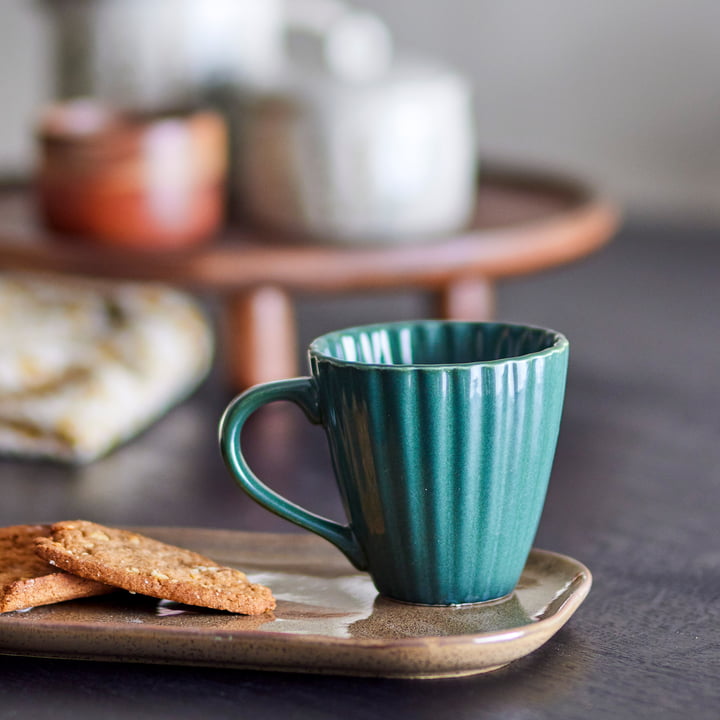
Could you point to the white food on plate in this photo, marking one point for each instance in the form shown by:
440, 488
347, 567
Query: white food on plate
85, 364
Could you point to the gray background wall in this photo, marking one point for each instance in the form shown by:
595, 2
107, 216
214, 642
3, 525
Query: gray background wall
626, 93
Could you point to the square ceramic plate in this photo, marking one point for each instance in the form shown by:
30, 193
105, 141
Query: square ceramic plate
329, 618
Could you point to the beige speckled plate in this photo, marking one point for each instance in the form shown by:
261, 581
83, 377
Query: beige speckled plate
329, 618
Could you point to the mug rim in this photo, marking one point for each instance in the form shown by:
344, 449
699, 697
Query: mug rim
559, 344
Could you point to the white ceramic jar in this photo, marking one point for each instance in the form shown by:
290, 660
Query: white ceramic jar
152, 54
390, 159
155, 53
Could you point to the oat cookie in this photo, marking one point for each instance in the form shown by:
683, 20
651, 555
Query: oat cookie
142, 565
27, 580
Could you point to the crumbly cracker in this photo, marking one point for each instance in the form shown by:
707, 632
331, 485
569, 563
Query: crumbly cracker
27, 580
142, 565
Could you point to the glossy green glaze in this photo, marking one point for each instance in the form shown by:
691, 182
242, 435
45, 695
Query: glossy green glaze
442, 437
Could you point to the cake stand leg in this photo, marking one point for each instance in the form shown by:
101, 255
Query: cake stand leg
261, 336
468, 298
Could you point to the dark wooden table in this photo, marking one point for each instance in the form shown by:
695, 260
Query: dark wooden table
635, 495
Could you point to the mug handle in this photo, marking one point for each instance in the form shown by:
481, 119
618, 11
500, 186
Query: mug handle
303, 392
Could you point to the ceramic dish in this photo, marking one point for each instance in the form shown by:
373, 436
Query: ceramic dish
329, 618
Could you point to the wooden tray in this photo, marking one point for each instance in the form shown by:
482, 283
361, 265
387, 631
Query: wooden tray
524, 222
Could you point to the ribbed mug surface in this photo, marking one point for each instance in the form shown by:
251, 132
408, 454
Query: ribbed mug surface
442, 436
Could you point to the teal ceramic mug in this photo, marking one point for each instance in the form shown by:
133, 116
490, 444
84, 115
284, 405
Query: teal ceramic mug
442, 436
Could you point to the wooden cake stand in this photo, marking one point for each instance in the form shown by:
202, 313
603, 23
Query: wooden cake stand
523, 223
